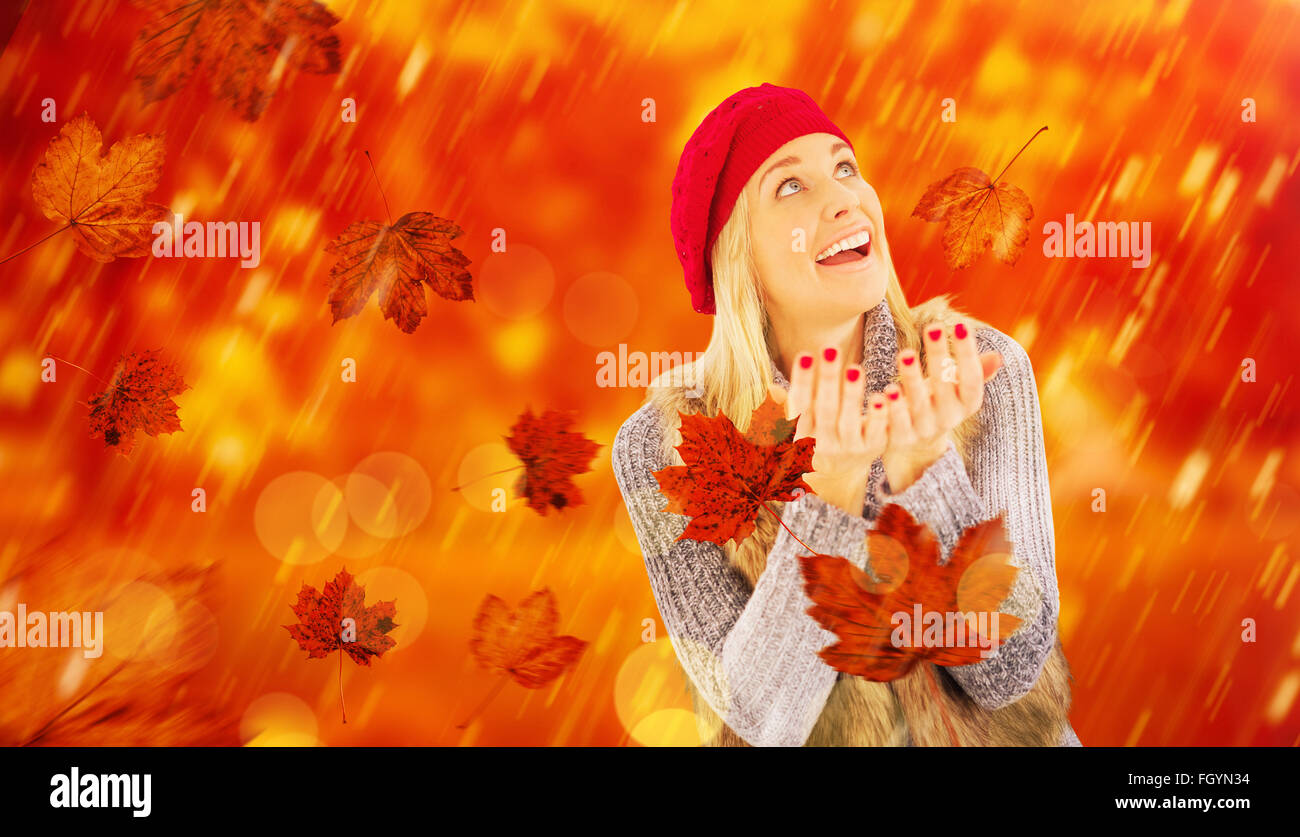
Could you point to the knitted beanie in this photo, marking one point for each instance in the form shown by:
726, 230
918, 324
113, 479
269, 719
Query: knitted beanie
719, 158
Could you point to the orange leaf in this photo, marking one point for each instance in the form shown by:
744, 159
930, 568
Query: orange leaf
243, 45
728, 476
138, 398
552, 455
978, 214
101, 198
396, 261
522, 642
321, 629
866, 610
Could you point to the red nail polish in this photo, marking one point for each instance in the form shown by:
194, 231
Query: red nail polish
907, 361
878, 405
805, 361
960, 331
853, 374
893, 396
829, 354
936, 333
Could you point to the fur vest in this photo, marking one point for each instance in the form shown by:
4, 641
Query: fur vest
865, 713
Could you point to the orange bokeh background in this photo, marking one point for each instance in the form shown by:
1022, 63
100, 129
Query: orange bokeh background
530, 118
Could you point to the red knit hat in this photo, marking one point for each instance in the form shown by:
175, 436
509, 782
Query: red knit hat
719, 158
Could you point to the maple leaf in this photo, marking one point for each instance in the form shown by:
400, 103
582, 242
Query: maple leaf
397, 261
552, 456
243, 45
337, 619
137, 398
905, 571
522, 642
101, 199
978, 214
728, 476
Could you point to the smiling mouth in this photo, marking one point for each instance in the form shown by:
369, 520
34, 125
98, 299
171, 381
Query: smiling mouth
856, 254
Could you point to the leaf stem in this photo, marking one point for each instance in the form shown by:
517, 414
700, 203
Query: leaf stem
42, 241
381, 188
465, 723
934, 689
1018, 153
485, 476
341, 700
75, 366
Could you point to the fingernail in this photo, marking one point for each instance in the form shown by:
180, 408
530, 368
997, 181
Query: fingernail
879, 405
853, 374
960, 331
907, 360
893, 396
805, 361
829, 354
936, 333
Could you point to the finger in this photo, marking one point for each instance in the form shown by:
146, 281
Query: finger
826, 406
916, 390
854, 390
875, 434
800, 397
901, 433
992, 361
943, 377
970, 373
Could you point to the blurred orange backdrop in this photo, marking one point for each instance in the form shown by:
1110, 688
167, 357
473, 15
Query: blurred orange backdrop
531, 118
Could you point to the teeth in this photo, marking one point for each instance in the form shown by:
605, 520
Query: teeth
849, 243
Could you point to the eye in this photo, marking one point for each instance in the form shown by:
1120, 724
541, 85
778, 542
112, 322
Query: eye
852, 167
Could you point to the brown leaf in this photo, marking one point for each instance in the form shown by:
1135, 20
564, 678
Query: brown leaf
552, 456
397, 261
522, 642
101, 198
979, 215
242, 45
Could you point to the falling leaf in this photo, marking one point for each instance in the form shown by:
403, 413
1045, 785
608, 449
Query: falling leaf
905, 571
101, 199
727, 476
138, 398
522, 642
337, 619
397, 261
242, 45
552, 456
978, 214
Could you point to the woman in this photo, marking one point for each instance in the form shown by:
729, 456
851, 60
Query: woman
782, 239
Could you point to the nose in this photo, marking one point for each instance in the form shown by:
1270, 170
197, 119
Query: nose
841, 201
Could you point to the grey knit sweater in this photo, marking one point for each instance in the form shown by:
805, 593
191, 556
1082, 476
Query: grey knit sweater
752, 654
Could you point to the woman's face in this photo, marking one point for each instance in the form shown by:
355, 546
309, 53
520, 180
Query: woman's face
805, 198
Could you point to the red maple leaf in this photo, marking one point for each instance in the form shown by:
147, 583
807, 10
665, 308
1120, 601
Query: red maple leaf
337, 619
728, 476
860, 608
138, 397
552, 456
521, 643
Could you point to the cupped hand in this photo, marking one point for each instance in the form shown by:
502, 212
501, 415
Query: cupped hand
826, 396
924, 409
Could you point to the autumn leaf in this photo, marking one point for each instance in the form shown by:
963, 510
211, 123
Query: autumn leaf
337, 619
859, 607
728, 476
552, 456
521, 644
979, 214
138, 397
101, 198
397, 262
243, 46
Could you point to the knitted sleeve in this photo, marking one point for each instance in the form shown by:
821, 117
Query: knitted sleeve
752, 655
1008, 472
